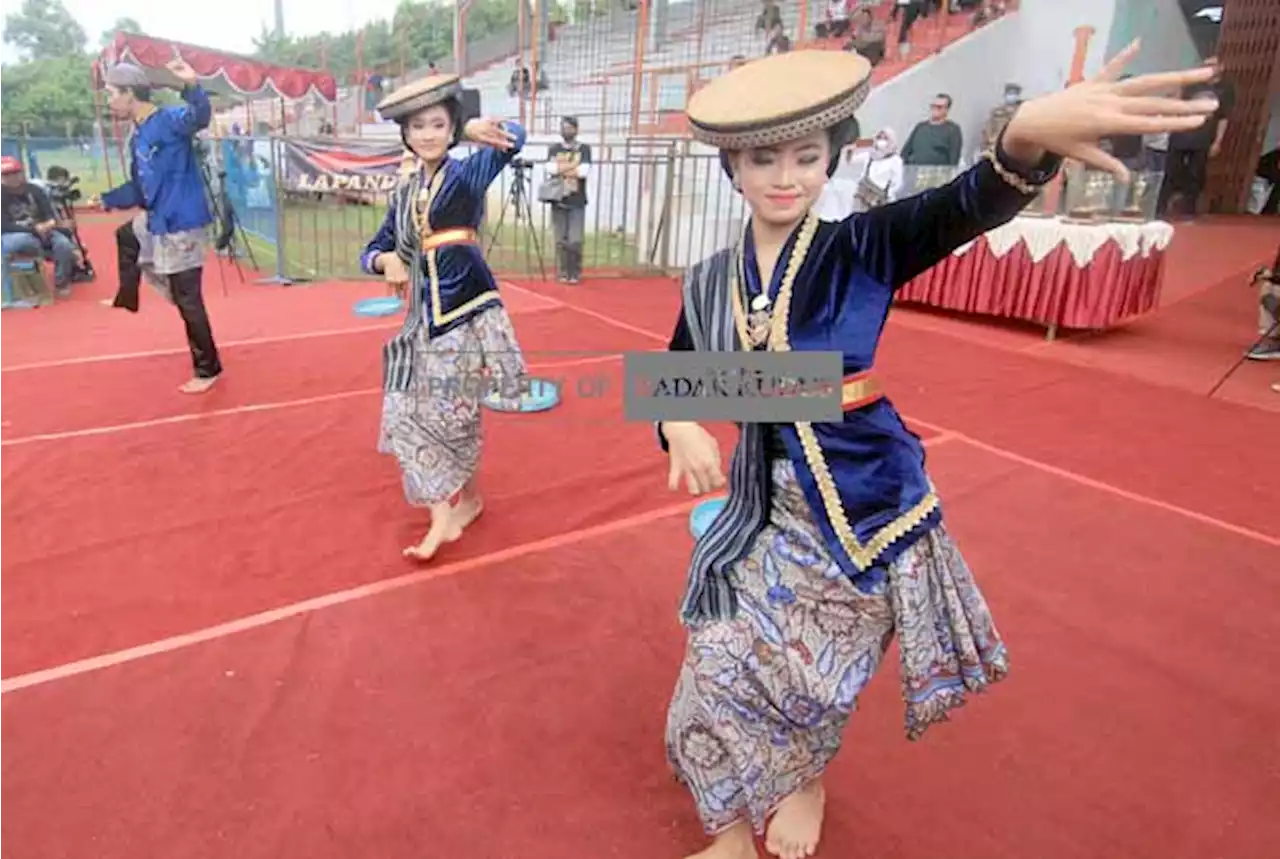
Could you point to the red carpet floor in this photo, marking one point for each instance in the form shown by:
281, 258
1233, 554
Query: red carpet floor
212, 648
1207, 320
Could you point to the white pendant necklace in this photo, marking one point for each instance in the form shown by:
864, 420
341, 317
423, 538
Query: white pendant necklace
759, 321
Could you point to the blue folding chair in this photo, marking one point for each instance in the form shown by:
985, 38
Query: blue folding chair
8, 268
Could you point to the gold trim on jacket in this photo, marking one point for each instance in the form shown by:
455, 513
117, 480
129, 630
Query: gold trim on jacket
862, 555
431, 242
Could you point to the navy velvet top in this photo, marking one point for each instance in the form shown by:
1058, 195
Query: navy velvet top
164, 172
461, 284
840, 302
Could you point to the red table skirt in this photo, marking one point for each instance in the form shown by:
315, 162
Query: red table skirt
1054, 291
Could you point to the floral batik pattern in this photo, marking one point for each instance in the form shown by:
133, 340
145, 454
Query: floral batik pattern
433, 428
762, 700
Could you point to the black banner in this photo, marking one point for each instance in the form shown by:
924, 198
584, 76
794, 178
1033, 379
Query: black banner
332, 166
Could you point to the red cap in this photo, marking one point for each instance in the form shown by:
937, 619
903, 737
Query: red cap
9, 164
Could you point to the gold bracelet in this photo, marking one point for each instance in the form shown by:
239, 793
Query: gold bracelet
1019, 184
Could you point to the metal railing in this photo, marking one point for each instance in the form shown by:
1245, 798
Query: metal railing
653, 206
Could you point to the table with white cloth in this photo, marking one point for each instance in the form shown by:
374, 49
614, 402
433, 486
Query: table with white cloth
1055, 273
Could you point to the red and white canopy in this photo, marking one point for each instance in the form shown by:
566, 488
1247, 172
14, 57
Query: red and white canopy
226, 74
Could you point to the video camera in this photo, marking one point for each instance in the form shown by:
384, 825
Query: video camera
63, 191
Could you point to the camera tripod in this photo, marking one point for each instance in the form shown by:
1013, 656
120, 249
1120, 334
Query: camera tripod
518, 197
226, 221
63, 198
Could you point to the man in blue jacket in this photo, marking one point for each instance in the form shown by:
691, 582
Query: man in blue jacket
167, 240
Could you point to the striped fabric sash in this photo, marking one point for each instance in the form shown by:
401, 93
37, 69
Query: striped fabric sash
398, 353
710, 595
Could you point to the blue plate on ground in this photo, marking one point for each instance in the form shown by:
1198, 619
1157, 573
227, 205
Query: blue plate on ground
704, 514
388, 306
541, 396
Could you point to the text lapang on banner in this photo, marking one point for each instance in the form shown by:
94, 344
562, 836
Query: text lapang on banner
323, 166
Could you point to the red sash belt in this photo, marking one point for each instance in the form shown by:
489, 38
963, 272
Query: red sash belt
858, 390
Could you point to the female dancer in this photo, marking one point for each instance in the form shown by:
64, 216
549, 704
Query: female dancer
832, 538
457, 342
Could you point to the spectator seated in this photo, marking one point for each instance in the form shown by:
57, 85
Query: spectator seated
835, 24
867, 37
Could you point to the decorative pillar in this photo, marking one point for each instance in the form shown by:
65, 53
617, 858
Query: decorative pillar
1082, 35
1249, 50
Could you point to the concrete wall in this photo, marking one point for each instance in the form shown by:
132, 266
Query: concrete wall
1166, 39
1033, 47
973, 71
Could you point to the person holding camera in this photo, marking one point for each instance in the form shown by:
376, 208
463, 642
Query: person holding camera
30, 229
63, 194
567, 193
60, 185
167, 239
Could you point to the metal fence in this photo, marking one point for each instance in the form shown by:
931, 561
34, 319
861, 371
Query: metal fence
653, 206
83, 157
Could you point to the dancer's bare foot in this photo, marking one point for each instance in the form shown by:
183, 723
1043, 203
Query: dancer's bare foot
198, 385
448, 521
736, 842
469, 508
796, 827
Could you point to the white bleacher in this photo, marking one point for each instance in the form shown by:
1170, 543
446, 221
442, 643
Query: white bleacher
635, 188
581, 54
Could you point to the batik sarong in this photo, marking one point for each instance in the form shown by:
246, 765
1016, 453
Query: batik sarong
433, 428
762, 700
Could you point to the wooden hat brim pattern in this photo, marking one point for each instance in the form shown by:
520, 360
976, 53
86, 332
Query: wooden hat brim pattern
419, 95
780, 98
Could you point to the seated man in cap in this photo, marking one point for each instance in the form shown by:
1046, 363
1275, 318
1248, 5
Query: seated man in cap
168, 237
30, 228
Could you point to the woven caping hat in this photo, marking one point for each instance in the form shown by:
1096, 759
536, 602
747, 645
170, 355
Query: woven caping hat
419, 95
780, 98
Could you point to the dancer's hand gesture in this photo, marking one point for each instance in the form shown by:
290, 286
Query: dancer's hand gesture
394, 273
181, 70
489, 132
1072, 122
695, 457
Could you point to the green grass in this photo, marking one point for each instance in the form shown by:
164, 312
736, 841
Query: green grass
324, 240
92, 171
